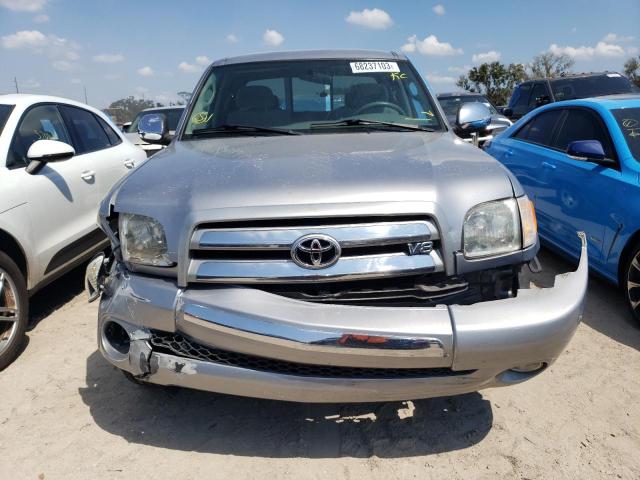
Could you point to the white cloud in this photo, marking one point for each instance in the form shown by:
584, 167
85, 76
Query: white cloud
463, 69
42, 18
438, 9
614, 37
602, 49
231, 38
375, 18
430, 46
24, 39
24, 5
486, 57
145, 71
440, 79
62, 65
203, 60
272, 37
108, 58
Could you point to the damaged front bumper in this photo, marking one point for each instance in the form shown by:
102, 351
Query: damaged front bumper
248, 342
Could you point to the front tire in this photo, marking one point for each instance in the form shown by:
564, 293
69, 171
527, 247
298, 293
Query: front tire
631, 282
14, 310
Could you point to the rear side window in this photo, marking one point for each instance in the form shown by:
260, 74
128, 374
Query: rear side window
540, 129
582, 124
521, 96
629, 122
537, 95
5, 111
88, 135
114, 138
42, 122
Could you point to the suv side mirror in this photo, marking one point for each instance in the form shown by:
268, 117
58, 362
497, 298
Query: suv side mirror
507, 112
125, 127
43, 151
473, 116
153, 128
586, 150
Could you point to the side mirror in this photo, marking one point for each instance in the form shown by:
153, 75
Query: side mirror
473, 116
125, 127
507, 112
153, 128
586, 150
43, 151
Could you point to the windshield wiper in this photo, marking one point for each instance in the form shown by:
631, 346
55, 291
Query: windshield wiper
351, 122
226, 128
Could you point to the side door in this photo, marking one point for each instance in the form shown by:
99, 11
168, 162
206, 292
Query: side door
59, 196
584, 191
526, 154
520, 105
105, 154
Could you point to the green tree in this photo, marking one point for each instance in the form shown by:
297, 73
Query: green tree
632, 69
550, 65
126, 109
494, 80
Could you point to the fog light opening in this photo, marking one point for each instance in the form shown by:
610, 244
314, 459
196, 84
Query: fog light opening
528, 367
117, 337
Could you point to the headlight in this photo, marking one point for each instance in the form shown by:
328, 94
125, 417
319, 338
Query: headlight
142, 241
498, 227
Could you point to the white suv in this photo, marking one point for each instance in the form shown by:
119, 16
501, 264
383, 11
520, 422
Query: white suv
58, 159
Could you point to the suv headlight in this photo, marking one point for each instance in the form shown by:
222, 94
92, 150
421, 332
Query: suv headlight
498, 227
142, 241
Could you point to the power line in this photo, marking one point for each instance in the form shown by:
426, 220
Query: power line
15, 80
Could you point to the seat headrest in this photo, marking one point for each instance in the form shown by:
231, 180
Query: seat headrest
256, 98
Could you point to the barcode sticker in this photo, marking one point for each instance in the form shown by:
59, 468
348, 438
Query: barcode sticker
366, 67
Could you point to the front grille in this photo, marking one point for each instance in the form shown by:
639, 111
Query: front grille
177, 344
261, 251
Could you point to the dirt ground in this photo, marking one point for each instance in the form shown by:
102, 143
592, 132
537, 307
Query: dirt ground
65, 413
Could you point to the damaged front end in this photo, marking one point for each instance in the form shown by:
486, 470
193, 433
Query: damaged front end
259, 342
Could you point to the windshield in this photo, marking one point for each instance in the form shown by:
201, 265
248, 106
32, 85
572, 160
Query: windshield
298, 96
173, 117
592, 86
629, 123
452, 104
5, 111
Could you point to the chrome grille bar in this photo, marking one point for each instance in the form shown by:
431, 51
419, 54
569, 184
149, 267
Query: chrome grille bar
285, 271
281, 238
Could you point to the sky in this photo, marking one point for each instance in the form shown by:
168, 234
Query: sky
154, 49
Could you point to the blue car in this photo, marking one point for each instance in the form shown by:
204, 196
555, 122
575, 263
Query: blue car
579, 161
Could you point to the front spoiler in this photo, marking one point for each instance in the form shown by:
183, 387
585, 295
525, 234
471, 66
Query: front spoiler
488, 338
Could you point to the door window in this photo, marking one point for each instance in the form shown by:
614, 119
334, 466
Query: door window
42, 122
521, 96
583, 124
539, 91
114, 138
89, 136
540, 129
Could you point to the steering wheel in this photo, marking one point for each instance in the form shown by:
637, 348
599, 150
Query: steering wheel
371, 105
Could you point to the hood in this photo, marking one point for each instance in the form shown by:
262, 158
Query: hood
268, 176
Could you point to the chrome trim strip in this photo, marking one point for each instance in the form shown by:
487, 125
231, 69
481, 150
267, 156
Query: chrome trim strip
347, 268
268, 332
281, 238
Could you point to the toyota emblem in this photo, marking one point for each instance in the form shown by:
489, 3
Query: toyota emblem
315, 251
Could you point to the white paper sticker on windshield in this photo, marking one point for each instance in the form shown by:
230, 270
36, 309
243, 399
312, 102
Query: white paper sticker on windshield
366, 67
613, 75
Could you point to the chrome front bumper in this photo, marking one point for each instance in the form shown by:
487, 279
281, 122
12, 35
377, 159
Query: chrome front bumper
485, 341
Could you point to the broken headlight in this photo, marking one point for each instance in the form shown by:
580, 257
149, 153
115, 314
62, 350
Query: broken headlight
142, 241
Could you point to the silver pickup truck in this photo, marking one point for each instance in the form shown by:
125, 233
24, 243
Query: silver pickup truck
316, 232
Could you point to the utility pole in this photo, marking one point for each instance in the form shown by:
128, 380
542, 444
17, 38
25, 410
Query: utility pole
15, 80
85, 95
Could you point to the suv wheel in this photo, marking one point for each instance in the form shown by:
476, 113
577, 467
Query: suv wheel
14, 305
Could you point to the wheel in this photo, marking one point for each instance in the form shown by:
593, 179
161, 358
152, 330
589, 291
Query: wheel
14, 310
632, 282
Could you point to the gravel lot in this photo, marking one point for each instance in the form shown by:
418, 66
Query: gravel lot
65, 413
